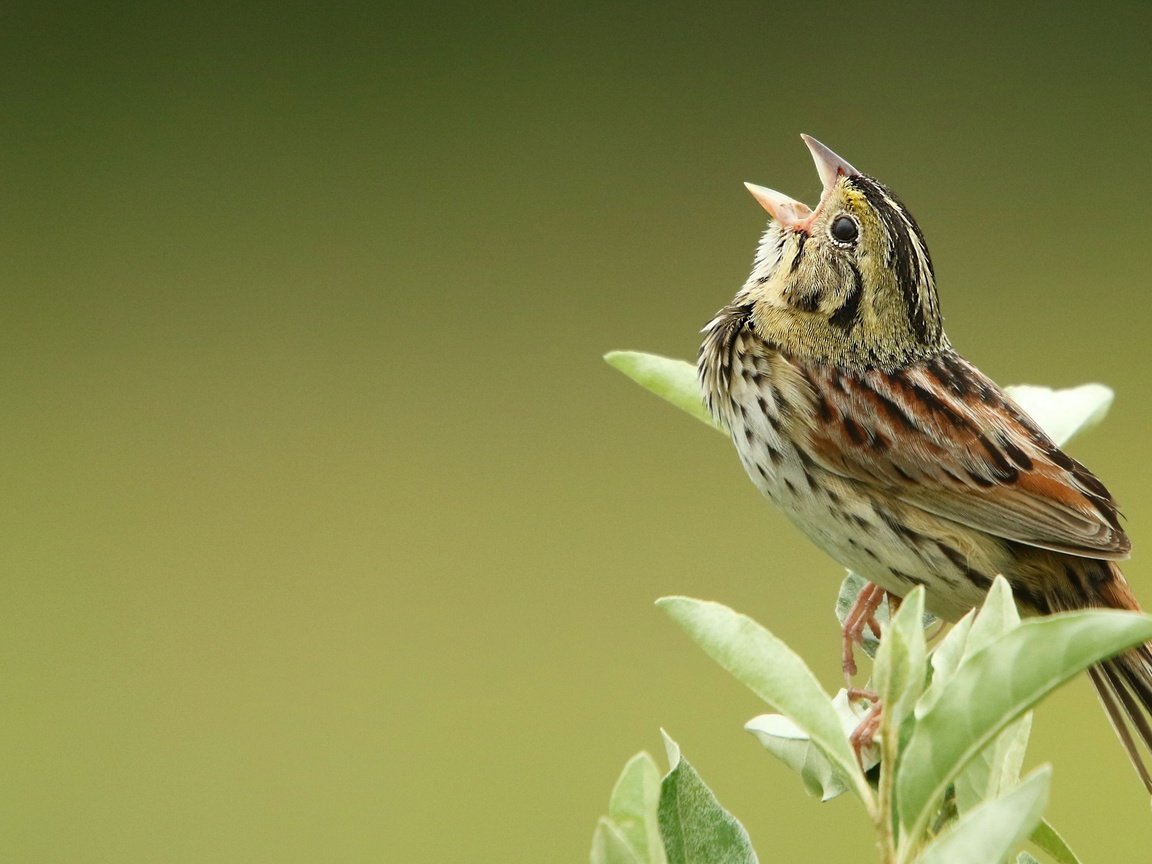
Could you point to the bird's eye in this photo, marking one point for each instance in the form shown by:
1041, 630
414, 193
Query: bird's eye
844, 229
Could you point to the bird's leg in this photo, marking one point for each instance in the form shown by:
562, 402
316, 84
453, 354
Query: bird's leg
861, 617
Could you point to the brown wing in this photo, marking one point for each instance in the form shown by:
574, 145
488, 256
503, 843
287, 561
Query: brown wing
943, 437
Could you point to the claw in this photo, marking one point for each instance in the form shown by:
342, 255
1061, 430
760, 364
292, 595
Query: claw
861, 616
864, 735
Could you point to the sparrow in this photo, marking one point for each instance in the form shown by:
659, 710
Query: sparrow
850, 409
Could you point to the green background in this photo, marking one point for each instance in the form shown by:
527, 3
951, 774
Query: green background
327, 535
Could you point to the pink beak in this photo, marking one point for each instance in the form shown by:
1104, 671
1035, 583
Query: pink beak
791, 213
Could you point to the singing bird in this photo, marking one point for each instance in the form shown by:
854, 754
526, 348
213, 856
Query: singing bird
850, 409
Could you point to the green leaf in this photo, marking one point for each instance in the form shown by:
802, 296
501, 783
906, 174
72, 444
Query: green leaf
793, 746
672, 380
772, 671
945, 660
609, 846
997, 616
694, 827
632, 807
1025, 858
1052, 844
996, 685
996, 768
901, 662
1063, 413
991, 831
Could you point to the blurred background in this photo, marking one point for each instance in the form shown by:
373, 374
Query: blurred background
327, 534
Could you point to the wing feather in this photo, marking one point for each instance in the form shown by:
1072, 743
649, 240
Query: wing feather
943, 437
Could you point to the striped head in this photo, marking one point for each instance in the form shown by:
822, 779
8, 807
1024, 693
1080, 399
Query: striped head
849, 283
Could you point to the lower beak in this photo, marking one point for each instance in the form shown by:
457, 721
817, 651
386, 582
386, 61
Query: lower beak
789, 212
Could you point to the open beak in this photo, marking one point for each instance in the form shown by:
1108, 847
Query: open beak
791, 213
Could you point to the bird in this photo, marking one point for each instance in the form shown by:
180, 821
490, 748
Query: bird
850, 409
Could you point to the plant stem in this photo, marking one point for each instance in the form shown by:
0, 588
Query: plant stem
885, 811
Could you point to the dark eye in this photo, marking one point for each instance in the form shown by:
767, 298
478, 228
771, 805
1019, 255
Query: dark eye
845, 229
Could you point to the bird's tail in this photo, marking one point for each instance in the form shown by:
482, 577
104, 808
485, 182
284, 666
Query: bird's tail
1124, 685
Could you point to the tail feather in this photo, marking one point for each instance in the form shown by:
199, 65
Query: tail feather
1124, 685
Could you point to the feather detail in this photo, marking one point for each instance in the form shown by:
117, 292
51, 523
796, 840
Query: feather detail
942, 436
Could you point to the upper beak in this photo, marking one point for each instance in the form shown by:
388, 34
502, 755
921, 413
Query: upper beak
789, 212
829, 166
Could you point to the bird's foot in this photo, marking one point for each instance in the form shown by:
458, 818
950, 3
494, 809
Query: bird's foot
861, 617
864, 735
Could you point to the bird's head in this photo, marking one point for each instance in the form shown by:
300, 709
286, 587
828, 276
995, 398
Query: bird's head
849, 282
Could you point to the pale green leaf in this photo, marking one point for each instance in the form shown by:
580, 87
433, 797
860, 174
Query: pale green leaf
672, 380
997, 615
996, 685
945, 660
609, 846
694, 827
632, 807
773, 672
793, 746
1063, 413
1046, 838
1025, 858
990, 832
996, 768
901, 662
